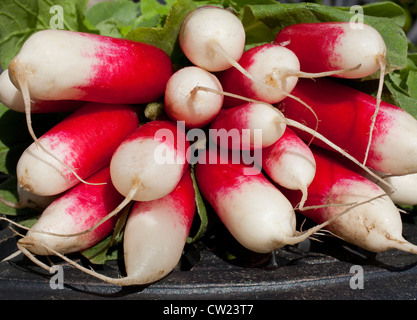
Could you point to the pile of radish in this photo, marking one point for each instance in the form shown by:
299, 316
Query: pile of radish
261, 134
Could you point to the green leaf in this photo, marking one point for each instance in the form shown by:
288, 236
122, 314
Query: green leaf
166, 37
113, 18
154, 13
15, 138
20, 18
201, 211
8, 191
402, 86
108, 249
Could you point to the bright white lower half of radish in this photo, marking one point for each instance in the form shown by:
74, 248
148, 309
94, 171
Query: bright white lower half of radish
63, 79
47, 176
196, 109
363, 45
290, 164
257, 215
399, 136
154, 239
9, 95
375, 226
156, 166
270, 65
402, 190
204, 29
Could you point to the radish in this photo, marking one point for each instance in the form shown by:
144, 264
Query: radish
256, 125
212, 38
151, 161
345, 117
85, 141
76, 210
183, 103
403, 188
270, 73
154, 237
255, 212
269, 63
61, 64
374, 225
251, 126
336, 45
68, 65
13, 99
30, 200
290, 163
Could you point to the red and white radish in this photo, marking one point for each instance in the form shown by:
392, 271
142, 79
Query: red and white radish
156, 232
272, 65
67, 65
60, 64
255, 212
183, 103
250, 126
375, 224
154, 237
335, 46
13, 99
256, 125
212, 38
78, 209
345, 117
85, 141
290, 163
151, 161
339, 45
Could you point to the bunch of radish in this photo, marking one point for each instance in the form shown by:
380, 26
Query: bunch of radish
278, 141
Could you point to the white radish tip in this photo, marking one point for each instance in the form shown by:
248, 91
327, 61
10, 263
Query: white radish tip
207, 25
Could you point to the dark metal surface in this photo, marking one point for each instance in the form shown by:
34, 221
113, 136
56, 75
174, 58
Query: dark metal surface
311, 271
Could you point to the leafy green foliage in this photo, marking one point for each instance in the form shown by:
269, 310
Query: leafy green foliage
20, 18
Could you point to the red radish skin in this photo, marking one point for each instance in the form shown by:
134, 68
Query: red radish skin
154, 238
345, 117
85, 141
335, 46
78, 209
339, 45
269, 64
250, 125
251, 208
150, 162
290, 163
374, 225
254, 211
90, 67
13, 99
